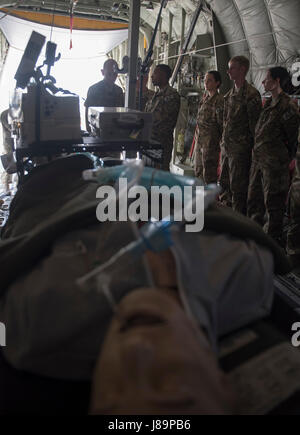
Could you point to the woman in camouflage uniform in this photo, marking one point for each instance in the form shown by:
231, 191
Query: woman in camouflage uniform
209, 129
275, 135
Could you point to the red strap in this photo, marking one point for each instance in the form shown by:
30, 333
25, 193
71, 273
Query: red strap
71, 28
192, 147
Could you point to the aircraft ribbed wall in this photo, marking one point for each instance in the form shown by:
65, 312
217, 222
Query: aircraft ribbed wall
270, 30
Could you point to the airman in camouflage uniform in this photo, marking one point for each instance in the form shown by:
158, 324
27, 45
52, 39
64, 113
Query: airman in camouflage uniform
8, 145
147, 95
208, 135
277, 127
241, 112
164, 105
293, 237
242, 108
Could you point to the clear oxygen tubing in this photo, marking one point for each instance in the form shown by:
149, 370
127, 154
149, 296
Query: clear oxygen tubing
155, 236
149, 176
144, 258
132, 171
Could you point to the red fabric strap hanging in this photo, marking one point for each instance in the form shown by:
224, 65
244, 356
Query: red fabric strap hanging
71, 28
73, 4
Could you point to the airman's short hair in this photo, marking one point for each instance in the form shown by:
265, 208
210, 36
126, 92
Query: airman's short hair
242, 61
166, 69
108, 61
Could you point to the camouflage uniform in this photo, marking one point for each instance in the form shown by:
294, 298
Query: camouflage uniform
293, 237
147, 95
164, 105
207, 138
269, 176
241, 112
8, 145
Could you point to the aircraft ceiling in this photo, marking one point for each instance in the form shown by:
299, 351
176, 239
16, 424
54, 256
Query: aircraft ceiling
268, 31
